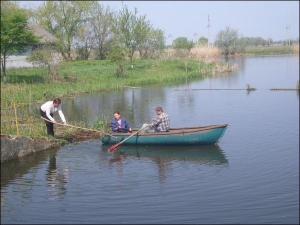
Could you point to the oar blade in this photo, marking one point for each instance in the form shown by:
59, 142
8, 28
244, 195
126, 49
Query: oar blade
114, 147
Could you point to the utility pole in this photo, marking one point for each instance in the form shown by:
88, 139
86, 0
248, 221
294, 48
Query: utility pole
195, 35
287, 35
170, 37
208, 26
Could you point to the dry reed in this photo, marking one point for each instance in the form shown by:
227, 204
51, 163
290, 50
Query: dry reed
296, 49
207, 54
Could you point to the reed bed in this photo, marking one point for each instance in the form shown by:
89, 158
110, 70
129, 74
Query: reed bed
207, 54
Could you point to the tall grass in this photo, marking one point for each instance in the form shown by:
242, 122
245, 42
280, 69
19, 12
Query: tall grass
207, 54
296, 49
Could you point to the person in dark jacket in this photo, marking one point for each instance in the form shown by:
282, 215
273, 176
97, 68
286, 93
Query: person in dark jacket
119, 124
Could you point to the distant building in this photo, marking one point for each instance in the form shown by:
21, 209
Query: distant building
17, 60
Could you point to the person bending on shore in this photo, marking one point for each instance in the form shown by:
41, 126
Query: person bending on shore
119, 124
159, 124
47, 110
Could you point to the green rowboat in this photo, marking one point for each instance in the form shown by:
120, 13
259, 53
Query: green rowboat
202, 135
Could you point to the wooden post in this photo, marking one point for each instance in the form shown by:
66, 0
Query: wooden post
16, 118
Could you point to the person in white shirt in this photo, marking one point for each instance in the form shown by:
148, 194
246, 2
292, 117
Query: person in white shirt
47, 110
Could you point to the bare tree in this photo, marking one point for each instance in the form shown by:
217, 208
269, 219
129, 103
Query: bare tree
226, 39
84, 42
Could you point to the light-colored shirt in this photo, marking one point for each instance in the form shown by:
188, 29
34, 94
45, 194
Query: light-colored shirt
162, 122
48, 108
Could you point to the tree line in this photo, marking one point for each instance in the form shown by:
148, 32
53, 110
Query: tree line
92, 30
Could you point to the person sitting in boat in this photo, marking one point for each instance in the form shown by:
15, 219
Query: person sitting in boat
159, 124
119, 124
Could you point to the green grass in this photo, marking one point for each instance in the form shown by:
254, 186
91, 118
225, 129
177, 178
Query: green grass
269, 50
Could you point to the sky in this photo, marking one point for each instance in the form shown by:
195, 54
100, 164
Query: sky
278, 20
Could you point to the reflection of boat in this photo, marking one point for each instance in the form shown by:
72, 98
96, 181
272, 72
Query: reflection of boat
210, 154
202, 135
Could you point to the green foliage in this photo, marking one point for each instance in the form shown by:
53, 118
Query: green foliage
183, 43
15, 35
101, 23
101, 123
153, 45
131, 31
253, 41
44, 56
269, 50
203, 41
64, 19
118, 55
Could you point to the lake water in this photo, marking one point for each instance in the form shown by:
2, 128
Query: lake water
251, 177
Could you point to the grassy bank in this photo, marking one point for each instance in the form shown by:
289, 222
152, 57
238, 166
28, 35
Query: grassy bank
271, 50
31, 85
26, 86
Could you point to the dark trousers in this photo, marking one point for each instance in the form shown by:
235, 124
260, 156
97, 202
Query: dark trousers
49, 125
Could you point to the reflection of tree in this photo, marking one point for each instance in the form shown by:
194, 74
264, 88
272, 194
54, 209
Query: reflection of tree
56, 180
2, 203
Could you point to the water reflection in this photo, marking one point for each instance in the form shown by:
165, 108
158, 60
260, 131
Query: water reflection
57, 180
165, 156
24, 170
118, 159
17, 168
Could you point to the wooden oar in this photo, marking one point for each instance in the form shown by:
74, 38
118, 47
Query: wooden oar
79, 127
115, 146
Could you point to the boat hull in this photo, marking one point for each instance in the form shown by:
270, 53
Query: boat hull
204, 135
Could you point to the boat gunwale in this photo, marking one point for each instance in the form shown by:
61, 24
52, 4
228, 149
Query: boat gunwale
174, 131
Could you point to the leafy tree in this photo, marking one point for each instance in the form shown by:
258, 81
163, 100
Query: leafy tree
131, 30
45, 55
183, 43
84, 42
226, 39
203, 41
64, 19
153, 46
183, 47
15, 35
118, 55
101, 24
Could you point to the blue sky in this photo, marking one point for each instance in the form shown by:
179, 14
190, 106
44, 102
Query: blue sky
190, 18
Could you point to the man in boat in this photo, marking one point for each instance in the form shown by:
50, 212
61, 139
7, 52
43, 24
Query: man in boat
119, 124
159, 124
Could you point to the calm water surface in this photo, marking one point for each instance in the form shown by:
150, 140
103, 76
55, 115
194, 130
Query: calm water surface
251, 177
